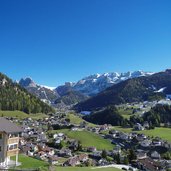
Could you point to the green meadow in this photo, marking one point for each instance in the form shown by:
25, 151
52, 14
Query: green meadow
164, 133
21, 115
31, 163
87, 139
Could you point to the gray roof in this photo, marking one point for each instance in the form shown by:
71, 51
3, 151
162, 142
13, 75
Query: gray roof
8, 127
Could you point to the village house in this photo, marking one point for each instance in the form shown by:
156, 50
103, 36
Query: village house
104, 127
9, 142
91, 149
146, 143
96, 155
141, 137
83, 124
117, 149
138, 127
41, 155
73, 161
141, 154
155, 155
146, 125
65, 153
148, 164
83, 157
114, 133
53, 160
123, 136
156, 142
74, 145
103, 162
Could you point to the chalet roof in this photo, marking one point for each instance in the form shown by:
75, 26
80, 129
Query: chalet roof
8, 127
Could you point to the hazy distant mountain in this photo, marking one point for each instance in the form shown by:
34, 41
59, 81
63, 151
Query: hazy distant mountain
65, 96
151, 87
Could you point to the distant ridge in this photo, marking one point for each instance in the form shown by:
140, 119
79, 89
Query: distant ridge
152, 87
72, 93
94, 84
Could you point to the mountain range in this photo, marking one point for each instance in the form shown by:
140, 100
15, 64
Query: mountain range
72, 93
146, 88
90, 93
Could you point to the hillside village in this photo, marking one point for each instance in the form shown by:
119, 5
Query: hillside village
47, 139
85, 85
127, 136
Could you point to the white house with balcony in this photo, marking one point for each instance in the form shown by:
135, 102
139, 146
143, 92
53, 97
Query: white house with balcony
9, 142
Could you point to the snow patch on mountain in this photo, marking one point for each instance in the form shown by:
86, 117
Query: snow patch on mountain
96, 83
50, 88
160, 90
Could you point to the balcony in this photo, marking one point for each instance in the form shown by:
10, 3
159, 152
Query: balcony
14, 140
13, 152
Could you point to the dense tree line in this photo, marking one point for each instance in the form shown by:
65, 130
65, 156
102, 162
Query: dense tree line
13, 97
159, 114
108, 116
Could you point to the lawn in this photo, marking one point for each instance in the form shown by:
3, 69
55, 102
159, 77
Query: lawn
88, 139
119, 128
28, 162
77, 120
164, 133
31, 163
16, 113
126, 113
21, 115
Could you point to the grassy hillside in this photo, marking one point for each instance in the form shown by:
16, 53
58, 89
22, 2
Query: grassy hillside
21, 115
28, 162
75, 119
31, 163
164, 133
88, 139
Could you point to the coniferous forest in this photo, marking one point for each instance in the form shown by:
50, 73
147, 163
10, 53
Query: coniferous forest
13, 97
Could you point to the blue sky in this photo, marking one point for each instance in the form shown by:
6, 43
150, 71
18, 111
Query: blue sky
64, 40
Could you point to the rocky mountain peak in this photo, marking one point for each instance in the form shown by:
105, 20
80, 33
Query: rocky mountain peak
27, 82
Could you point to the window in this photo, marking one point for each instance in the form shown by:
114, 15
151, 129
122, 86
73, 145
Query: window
0, 149
12, 147
15, 146
0, 136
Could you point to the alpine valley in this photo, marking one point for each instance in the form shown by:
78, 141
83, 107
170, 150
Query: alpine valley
104, 120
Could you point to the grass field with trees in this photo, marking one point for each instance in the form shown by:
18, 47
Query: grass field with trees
31, 163
87, 139
160, 132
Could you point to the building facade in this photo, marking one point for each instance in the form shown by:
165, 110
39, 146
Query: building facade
9, 142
